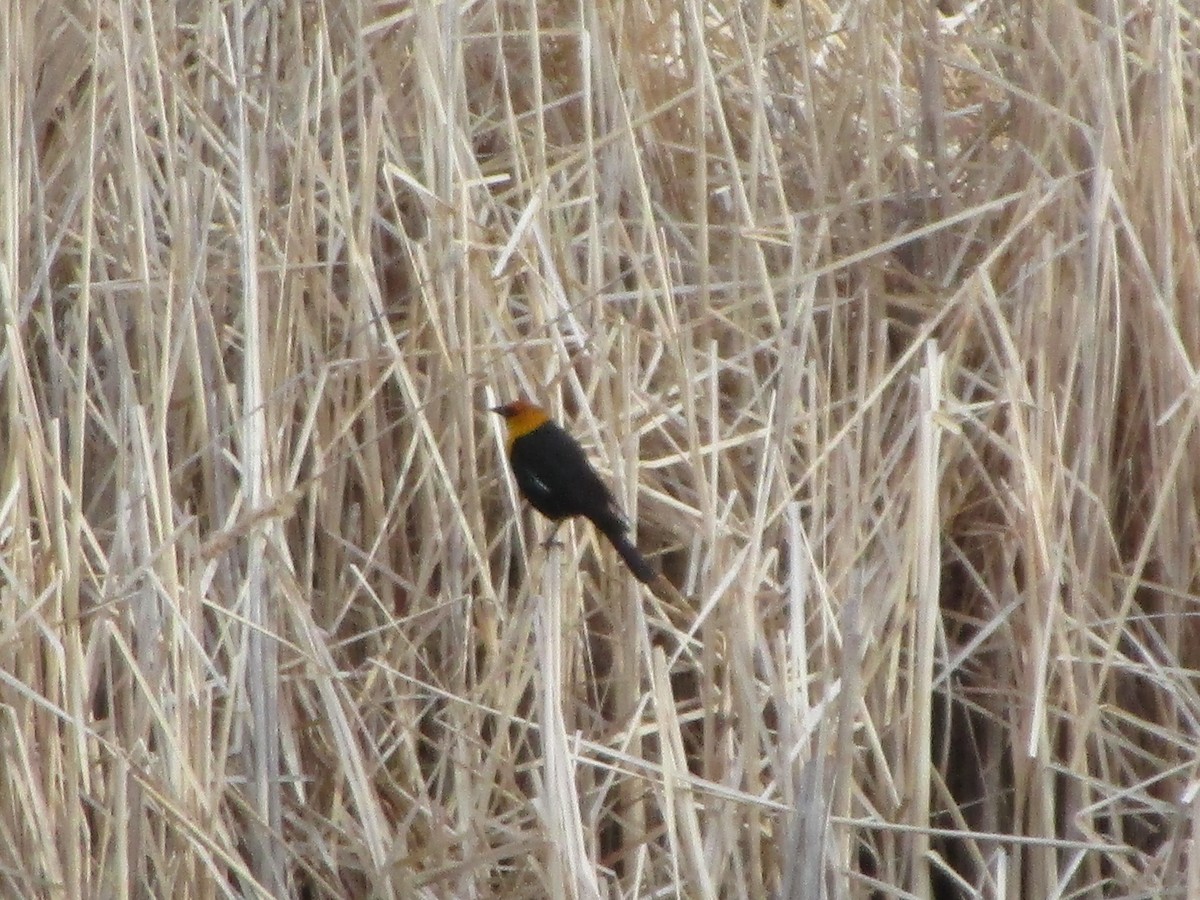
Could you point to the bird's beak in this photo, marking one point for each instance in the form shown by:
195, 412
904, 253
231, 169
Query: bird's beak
498, 410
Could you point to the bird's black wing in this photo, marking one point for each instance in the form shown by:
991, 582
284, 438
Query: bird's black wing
555, 476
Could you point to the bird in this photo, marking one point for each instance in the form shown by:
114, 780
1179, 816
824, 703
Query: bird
554, 475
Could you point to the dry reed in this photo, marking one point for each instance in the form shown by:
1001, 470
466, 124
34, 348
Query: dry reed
882, 316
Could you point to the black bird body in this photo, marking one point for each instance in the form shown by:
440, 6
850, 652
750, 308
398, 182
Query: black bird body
556, 478
554, 475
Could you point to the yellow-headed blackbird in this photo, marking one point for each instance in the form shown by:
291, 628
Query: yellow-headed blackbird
554, 475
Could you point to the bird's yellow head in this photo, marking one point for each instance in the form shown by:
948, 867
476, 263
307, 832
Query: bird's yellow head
520, 418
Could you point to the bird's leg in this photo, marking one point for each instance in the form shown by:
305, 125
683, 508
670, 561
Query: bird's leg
551, 541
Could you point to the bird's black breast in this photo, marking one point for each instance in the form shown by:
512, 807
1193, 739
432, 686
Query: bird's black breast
556, 478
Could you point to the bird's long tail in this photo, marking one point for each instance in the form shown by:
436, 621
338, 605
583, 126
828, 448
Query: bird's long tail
638, 564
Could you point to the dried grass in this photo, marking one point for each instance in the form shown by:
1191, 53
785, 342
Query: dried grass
882, 316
